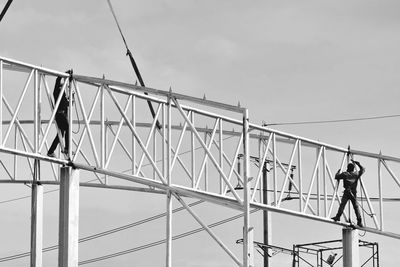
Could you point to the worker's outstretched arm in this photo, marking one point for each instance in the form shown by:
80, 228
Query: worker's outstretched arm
362, 169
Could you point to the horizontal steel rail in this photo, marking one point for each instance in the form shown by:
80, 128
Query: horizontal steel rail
11, 63
152, 91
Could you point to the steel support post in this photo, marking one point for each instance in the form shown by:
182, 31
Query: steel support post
164, 141
221, 156
169, 230
324, 184
102, 128
15, 156
319, 259
300, 174
133, 136
380, 194
350, 248
206, 163
274, 169
155, 152
70, 95
68, 218
318, 153
193, 152
247, 229
105, 149
37, 189
169, 195
1, 102
266, 216
36, 223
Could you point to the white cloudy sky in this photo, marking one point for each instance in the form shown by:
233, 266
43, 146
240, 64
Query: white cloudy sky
285, 60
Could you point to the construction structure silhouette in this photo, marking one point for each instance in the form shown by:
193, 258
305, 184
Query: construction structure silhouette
111, 137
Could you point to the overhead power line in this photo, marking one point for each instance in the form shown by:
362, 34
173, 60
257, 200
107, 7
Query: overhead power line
104, 233
160, 242
332, 121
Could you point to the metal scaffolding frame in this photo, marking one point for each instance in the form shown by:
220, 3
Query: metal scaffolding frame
109, 112
319, 250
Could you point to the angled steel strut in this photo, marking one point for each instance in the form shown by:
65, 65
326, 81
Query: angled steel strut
134, 65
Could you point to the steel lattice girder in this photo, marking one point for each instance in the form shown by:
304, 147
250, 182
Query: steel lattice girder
315, 188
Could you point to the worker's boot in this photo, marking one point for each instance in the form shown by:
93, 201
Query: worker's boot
359, 223
336, 218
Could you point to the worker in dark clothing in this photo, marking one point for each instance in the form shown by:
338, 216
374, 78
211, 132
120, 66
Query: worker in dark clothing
350, 180
61, 118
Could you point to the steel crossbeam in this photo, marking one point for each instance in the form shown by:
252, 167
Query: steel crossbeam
181, 156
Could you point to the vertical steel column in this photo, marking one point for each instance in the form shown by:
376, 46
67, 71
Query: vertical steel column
105, 148
68, 218
36, 111
350, 248
102, 128
318, 181
274, 169
266, 215
37, 189
239, 169
380, 193
193, 152
206, 161
15, 156
221, 157
169, 195
260, 157
133, 136
299, 169
1, 102
155, 152
247, 229
319, 258
164, 142
103, 132
70, 119
36, 223
324, 182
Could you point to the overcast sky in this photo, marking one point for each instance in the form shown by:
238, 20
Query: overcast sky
287, 61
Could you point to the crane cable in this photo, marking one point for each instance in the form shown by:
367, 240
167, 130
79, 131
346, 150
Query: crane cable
5, 9
133, 62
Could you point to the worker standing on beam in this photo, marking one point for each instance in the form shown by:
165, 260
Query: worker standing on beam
350, 180
61, 117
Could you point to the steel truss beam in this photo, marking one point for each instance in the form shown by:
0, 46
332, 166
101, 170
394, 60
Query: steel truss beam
185, 158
